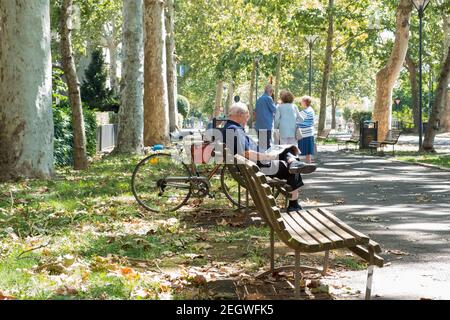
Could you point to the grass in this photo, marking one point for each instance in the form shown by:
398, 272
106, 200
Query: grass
82, 236
441, 160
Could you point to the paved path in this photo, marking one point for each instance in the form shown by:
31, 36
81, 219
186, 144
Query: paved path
405, 208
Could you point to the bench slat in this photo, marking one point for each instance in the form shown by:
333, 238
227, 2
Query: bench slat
362, 238
311, 229
339, 232
299, 230
312, 220
364, 253
296, 241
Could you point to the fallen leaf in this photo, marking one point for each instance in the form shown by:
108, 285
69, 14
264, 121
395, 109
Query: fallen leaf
4, 297
398, 252
66, 291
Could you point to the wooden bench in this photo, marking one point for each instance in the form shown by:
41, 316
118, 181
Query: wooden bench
306, 231
353, 139
323, 135
391, 139
278, 186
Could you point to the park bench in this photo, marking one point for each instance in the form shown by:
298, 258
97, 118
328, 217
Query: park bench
391, 139
306, 231
276, 184
353, 139
323, 135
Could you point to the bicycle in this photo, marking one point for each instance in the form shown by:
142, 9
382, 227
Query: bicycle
164, 182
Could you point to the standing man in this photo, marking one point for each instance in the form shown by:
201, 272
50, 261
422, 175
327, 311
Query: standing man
264, 114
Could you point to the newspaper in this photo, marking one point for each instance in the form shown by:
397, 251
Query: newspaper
278, 149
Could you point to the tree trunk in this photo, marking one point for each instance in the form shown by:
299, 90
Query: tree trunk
334, 103
26, 121
387, 76
131, 112
112, 48
445, 123
230, 97
278, 76
219, 98
68, 62
171, 66
156, 100
327, 67
441, 92
412, 70
251, 100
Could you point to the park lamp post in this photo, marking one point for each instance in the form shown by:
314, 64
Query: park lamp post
420, 5
311, 39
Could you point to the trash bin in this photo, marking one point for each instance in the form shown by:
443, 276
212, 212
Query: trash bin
368, 133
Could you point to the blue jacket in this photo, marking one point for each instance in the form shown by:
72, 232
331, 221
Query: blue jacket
265, 111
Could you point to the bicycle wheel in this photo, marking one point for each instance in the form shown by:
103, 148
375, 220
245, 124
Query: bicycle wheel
160, 183
232, 189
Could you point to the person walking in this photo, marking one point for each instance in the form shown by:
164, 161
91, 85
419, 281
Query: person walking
264, 114
286, 118
306, 124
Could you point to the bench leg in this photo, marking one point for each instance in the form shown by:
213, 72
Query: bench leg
239, 195
272, 251
297, 274
325, 263
370, 274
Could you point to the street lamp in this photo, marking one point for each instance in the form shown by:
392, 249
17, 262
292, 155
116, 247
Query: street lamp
311, 39
420, 5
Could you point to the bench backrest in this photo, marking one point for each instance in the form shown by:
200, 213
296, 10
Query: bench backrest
393, 135
262, 196
323, 134
355, 135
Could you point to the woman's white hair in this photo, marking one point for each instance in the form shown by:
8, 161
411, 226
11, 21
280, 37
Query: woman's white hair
238, 108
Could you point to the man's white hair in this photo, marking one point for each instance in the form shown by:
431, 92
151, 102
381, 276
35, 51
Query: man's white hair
238, 108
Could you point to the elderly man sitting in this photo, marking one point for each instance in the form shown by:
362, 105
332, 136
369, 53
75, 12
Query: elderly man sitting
285, 165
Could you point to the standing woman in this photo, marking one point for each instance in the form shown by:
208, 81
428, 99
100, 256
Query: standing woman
307, 115
286, 118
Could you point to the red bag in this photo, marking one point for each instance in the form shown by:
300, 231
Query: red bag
201, 153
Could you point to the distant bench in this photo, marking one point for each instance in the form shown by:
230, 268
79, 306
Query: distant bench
390, 139
354, 139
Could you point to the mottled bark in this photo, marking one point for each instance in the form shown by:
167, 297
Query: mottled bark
412, 70
26, 121
278, 76
230, 97
171, 66
438, 106
112, 48
131, 113
334, 104
156, 100
445, 122
251, 97
327, 67
219, 98
68, 62
387, 76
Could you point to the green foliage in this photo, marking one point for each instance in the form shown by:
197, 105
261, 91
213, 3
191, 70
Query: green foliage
359, 116
347, 114
183, 105
62, 118
93, 90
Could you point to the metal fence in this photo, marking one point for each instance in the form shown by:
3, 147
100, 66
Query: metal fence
106, 137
